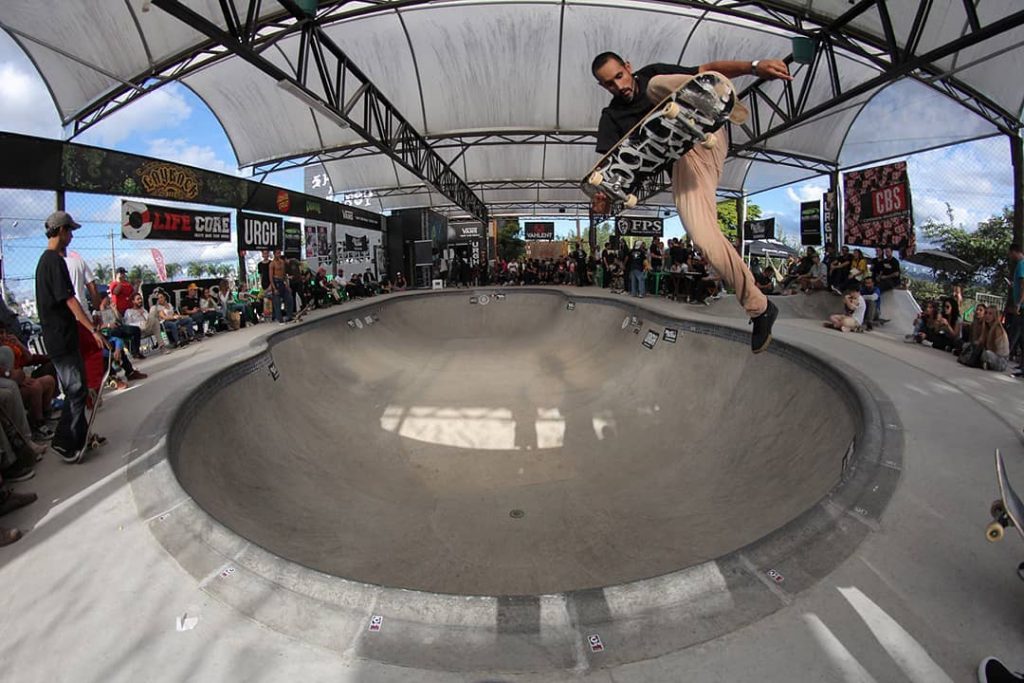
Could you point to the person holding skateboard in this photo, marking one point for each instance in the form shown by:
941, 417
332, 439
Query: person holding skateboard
695, 175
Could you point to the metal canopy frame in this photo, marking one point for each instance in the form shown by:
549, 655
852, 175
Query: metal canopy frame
896, 56
349, 99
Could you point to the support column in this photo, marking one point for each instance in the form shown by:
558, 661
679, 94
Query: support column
741, 219
1017, 157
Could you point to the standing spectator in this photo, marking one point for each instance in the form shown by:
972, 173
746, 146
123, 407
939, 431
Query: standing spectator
886, 270
1015, 305
280, 292
657, 255
638, 270
263, 268
83, 282
121, 291
607, 265
59, 311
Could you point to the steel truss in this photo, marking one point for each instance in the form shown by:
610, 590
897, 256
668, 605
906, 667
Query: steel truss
349, 97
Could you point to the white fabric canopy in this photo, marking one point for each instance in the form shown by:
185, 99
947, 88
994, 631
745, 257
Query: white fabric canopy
464, 66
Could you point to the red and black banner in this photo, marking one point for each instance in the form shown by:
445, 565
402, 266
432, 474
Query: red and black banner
145, 221
539, 231
879, 212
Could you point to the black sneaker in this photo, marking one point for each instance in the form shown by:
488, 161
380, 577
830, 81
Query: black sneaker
11, 500
69, 456
761, 337
17, 473
991, 670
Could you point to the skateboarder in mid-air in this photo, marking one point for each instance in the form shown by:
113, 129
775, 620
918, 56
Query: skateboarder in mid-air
695, 175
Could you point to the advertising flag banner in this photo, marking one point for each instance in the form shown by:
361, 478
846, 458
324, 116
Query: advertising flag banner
878, 211
810, 223
158, 260
762, 229
256, 232
146, 221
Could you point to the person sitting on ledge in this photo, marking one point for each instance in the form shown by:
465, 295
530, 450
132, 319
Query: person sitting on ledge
179, 328
923, 323
945, 336
138, 317
400, 284
852, 317
814, 279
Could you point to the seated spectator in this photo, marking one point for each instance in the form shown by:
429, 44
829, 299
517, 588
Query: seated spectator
400, 284
213, 307
37, 394
128, 335
858, 269
237, 301
872, 296
115, 354
996, 355
839, 270
137, 316
190, 307
19, 451
852, 317
923, 322
945, 335
970, 354
814, 279
886, 270
10, 501
385, 285
180, 329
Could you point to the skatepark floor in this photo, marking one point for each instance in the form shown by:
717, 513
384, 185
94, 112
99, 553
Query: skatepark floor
93, 596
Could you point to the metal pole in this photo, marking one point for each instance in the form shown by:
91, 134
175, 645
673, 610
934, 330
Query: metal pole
741, 218
1017, 157
113, 259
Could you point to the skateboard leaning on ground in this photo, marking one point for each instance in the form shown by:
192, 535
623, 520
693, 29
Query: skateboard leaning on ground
302, 313
689, 115
1006, 511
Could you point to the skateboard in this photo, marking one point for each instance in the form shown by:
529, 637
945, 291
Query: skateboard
687, 116
302, 313
1006, 511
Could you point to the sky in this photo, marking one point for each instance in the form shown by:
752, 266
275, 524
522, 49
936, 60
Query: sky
172, 123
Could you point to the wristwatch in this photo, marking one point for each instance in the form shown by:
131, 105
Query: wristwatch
753, 66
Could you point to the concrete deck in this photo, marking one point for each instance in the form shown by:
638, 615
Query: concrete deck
96, 586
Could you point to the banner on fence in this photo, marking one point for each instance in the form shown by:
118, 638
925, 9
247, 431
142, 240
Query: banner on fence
257, 232
154, 222
539, 230
634, 226
762, 229
878, 211
810, 223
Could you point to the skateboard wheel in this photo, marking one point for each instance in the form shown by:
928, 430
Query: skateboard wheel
671, 110
994, 532
596, 178
997, 509
630, 202
709, 141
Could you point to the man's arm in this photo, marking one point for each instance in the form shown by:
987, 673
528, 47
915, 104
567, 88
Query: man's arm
766, 68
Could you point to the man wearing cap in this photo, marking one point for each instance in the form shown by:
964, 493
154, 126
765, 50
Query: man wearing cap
58, 312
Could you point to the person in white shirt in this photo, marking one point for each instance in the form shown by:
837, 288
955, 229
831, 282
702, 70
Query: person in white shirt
814, 278
138, 316
83, 281
852, 317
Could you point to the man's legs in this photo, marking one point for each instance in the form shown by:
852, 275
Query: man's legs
73, 425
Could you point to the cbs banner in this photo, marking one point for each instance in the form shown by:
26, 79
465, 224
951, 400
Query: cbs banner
879, 212
146, 221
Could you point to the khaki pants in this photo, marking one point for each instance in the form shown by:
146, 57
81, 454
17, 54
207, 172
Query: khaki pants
695, 179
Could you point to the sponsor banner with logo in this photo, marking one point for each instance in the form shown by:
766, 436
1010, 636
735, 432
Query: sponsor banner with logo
319, 244
357, 249
535, 230
257, 232
878, 211
635, 226
359, 218
474, 234
146, 221
291, 246
177, 289
316, 182
810, 223
830, 218
762, 229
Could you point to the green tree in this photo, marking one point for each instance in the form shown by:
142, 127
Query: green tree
173, 270
510, 246
141, 273
103, 272
728, 218
985, 248
195, 269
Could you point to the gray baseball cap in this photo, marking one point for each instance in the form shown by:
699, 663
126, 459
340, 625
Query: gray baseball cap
61, 219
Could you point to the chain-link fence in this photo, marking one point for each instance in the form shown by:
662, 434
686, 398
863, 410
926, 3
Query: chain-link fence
100, 244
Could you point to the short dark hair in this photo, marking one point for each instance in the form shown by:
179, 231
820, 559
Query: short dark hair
602, 58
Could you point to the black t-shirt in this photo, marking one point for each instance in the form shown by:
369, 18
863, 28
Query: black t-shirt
844, 261
53, 289
636, 259
886, 266
188, 303
619, 116
264, 270
678, 254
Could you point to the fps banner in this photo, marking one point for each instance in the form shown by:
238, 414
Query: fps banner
154, 222
539, 231
256, 232
810, 223
879, 212
763, 229
632, 226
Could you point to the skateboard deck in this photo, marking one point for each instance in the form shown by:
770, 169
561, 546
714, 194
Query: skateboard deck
302, 313
1008, 510
689, 115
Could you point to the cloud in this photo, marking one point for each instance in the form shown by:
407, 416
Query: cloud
183, 152
157, 111
806, 192
27, 107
